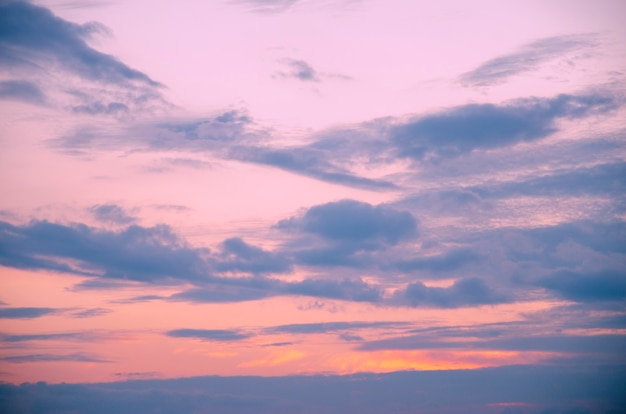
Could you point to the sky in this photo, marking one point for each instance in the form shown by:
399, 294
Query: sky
313, 205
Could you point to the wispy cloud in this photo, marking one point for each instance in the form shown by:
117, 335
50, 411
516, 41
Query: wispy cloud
526, 58
26, 313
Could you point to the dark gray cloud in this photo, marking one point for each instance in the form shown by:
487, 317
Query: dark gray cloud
22, 90
527, 58
26, 313
464, 292
354, 221
111, 213
208, 334
587, 286
75, 357
563, 388
472, 127
32, 36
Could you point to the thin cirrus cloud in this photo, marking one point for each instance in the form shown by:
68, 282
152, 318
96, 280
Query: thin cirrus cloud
525, 59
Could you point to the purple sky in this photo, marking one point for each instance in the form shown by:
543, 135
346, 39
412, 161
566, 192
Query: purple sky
343, 190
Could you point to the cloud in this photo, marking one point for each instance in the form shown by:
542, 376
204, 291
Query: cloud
26, 313
75, 357
208, 334
444, 263
587, 286
111, 213
309, 162
347, 289
66, 336
301, 70
90, 313
479, 391
464, 129
267, 6
354, 221
21, 90
136, 253
327, 327
32, 36
222, 294
464, 292
527, 58
239, 256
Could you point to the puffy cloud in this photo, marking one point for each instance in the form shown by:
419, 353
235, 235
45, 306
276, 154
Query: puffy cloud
355, 221
135, 253
464, 292
347, 289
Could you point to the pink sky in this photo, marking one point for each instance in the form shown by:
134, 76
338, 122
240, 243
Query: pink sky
309, 187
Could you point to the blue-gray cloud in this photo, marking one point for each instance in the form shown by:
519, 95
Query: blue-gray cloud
347, 289
111, 213
562, 388
222, 335
25, 313
326, 327
267, 6
472, 127
31, 36
135, 253
354, 221
309, 162
75, 357
301, 70
464, 292
587, 286
527, 58
237, 255
443, 263
64, 336
22, 90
